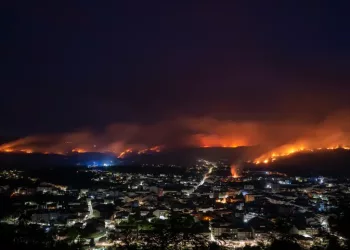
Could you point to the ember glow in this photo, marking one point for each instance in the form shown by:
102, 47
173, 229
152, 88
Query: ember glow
124, 153
155, 149
289, 150
234, 172
124, 139
121, 139
331, 134
78, 150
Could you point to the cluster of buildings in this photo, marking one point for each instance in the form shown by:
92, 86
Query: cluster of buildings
233, 211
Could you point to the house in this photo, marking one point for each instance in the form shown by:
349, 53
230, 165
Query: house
232, 231
161, 214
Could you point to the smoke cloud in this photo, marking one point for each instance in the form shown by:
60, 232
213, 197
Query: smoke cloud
196, 132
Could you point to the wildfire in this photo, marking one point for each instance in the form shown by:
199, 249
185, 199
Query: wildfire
210, 141
156, 149
234, 173
10, 150
122, 154
30, 151
27, 151
78, 150
288, 150
148, 150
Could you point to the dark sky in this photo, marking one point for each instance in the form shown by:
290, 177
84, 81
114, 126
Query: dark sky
68, 65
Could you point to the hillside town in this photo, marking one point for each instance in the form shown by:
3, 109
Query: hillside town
198, 208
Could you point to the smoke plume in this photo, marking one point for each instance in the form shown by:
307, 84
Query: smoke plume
197, 132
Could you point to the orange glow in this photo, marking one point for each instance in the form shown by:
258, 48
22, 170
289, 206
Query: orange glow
288, 150
226, 200
156, 149
10, 150
123, 138
78, 150
234, 173
27, 151
143, 151
122, 154
225, 141
207, 218
212, 143
223, 201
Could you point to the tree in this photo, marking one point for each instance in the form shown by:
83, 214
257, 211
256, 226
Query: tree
128, 237
178, 232
285, 245
92, 242
72, 233
163, 236
214, 246
31, 237
194, 239
333, 244
247, 247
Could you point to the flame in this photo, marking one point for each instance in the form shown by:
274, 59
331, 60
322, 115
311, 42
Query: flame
156, 149
223, 201
124, 153
143, 151
78, 150
124, 138
234, 173
288, 150
210, 141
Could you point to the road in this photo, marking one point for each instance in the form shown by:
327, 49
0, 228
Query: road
211, 165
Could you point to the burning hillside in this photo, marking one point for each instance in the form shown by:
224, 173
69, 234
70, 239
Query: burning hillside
284, 138
289, 150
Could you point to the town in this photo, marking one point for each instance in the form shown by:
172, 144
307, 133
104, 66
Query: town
208, 204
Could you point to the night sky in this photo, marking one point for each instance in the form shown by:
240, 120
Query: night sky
68, 66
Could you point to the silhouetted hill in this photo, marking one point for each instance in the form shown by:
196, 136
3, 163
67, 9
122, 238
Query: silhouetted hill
336, 162
189, 155
332, 163
37, 160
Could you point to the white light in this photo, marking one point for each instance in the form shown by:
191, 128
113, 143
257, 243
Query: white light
307, 236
